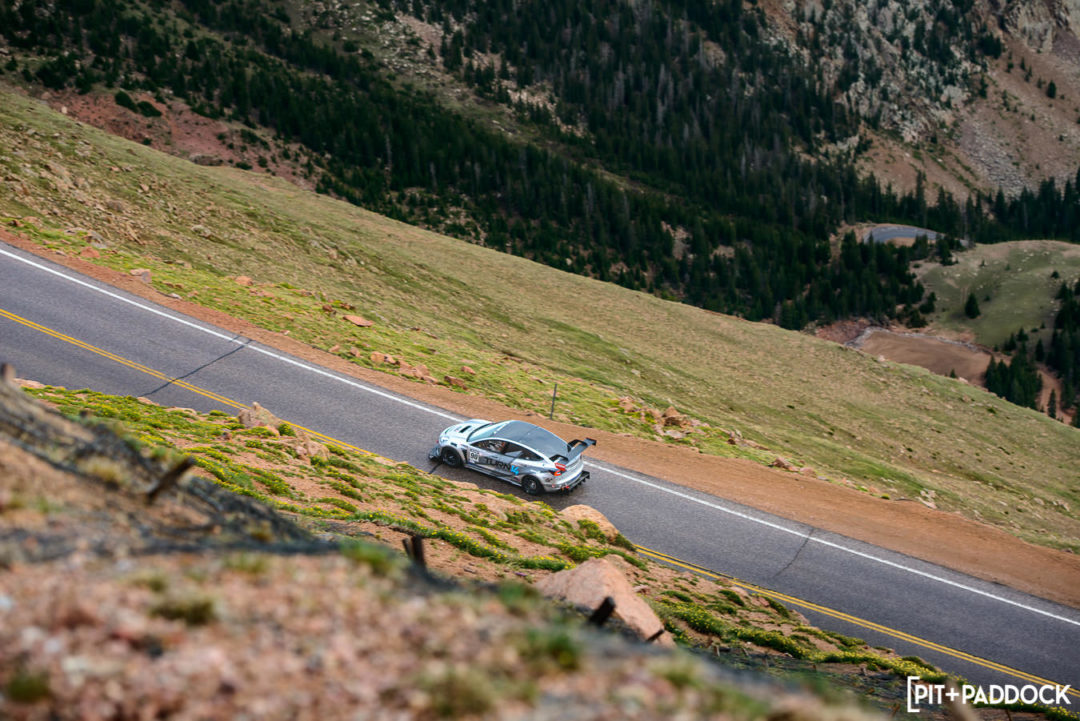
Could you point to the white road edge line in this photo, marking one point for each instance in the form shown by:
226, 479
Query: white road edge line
448, 416
224, 336
840, 547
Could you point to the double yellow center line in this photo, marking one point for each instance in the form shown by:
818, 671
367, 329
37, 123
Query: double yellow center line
658, 555
216, 397
861, 622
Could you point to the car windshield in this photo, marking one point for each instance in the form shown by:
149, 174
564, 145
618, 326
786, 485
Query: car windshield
528, 435
487, 431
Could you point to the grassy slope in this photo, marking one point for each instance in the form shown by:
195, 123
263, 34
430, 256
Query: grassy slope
481, 535
1017, 278
522, 327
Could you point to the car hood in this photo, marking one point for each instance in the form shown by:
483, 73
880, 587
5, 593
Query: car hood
461, 431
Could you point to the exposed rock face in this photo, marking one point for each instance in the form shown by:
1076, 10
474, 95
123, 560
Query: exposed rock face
590, 583
588, 513
1041, 23
913, 65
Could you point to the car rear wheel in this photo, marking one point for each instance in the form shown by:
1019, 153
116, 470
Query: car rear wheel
450, 457
532, 486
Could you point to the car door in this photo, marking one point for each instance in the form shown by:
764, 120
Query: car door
520, 461
486, 456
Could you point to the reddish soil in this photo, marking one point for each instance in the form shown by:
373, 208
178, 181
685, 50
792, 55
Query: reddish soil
179, 131
935, 354
907, 527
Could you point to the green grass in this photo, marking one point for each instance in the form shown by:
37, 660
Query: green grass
524, 327
1017, 278
482, 526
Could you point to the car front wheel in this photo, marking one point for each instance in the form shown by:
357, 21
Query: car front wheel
532, 486
450, 457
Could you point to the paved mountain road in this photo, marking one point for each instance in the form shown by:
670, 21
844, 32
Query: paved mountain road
963, 615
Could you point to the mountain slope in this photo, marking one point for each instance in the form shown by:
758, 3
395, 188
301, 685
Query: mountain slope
521, 327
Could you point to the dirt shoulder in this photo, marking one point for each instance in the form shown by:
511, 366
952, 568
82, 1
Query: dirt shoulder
907, 527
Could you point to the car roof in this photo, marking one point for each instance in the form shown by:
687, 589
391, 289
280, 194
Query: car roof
535, 437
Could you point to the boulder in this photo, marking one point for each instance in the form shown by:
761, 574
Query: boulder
243, 280
627, 404
586, 587
257, 416
467, 370
672, 417
358, 321
783, 464
306, 448
384, 358
588, 513
454, 381
90, 253
142, 274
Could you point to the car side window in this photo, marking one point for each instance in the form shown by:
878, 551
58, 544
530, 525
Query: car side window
490, 445
515, 451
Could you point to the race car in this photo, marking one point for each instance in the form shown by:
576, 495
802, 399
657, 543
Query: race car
522, 453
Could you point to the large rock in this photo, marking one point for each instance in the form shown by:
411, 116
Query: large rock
588, 513
258, 416
306, 448
590, 583
359, 321
672, 417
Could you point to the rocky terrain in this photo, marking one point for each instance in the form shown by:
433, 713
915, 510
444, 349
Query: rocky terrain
145, 574
957, 91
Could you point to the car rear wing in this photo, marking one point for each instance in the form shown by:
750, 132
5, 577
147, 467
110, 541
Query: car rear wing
577, 447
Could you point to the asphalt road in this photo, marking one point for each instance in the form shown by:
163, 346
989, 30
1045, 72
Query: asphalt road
957, 616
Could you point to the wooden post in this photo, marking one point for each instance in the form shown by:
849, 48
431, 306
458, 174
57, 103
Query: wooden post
170, 478
414, 549
551, 414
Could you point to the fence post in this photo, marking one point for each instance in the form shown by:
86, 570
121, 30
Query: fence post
551, 414
414, 549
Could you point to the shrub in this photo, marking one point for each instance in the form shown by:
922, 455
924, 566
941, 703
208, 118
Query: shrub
124, 100
193, 610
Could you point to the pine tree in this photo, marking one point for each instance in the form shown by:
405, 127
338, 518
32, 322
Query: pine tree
971, 308
1051, 405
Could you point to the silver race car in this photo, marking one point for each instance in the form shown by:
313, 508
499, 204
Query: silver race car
521, 453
